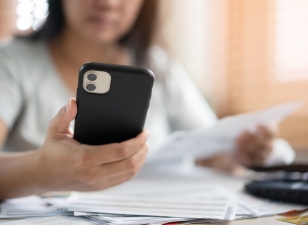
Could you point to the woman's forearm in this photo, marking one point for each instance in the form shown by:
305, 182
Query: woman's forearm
19, 175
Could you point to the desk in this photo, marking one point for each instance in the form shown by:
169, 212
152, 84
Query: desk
200, 175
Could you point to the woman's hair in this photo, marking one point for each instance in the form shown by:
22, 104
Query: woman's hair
137, 40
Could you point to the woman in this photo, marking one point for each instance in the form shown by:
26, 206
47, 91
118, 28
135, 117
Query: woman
39, 74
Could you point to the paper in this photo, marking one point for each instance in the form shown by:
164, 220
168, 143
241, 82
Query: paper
129, 220
30, 206
153, 220
263, 207
206, 202
155, 189
220, 137
155, 201
53, 220
210, 208
246, 206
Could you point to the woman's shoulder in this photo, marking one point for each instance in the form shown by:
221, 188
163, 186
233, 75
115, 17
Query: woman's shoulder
20, 48
159, 60
164, 65
19, 59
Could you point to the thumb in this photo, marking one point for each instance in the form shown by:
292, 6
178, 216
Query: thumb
60, 124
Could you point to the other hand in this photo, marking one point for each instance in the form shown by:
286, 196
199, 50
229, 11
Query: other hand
252, 149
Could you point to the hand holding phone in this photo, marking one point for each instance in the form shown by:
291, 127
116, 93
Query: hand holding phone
63, 164
110, 145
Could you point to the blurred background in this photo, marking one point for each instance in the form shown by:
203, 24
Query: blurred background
244, 55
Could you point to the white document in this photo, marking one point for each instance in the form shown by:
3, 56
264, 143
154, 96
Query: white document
215, 208
53, 220
129, 220
220, 137
262, 207
247, 206
31, 206
206, 202
153, 220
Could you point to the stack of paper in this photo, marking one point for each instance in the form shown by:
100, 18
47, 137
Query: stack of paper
206, 203
262, 207
32, 206
192, 202
52, 220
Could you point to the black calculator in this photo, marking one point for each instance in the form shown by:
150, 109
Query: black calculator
284, 183
290, 191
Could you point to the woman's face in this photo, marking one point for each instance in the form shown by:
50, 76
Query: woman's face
104, 21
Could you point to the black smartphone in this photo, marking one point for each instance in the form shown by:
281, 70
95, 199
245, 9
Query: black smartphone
112, 102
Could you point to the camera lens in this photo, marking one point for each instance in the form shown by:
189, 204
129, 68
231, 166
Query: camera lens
92, 77
90, 87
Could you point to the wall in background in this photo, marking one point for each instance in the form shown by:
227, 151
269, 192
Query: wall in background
254, 71
237, 52
195, 32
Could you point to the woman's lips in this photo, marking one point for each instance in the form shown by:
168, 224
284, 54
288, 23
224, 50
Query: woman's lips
102, 22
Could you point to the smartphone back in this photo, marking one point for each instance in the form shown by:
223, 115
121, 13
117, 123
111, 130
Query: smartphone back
120, 113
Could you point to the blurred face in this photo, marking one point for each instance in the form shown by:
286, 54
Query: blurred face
104, 21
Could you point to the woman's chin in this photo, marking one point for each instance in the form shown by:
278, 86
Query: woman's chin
101, 37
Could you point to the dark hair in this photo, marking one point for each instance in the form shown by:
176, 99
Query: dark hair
137, 40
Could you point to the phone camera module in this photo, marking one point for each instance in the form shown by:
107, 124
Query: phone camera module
90, 87
92, 77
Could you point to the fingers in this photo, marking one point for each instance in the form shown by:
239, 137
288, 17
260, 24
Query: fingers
113, 181
131, 170
253, 149
137, 141
60, 124
266, 133
100, 155
113, 173
131, 164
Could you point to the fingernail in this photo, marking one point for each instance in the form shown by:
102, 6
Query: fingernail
68, 105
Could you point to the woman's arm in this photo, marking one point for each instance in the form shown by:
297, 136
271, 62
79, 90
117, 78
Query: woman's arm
64, 164
17, 175
16, 170
251, 149
3, 133
189, 110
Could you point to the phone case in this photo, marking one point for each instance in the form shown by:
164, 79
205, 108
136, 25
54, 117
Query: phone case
117, 115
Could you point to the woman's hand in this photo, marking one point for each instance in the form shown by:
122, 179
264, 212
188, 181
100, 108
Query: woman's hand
64, 164
252, 149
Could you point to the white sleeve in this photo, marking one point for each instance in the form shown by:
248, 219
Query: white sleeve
10, 88
186, 106
282, 153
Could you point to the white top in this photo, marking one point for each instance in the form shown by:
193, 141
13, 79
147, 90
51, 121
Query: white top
32, 92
